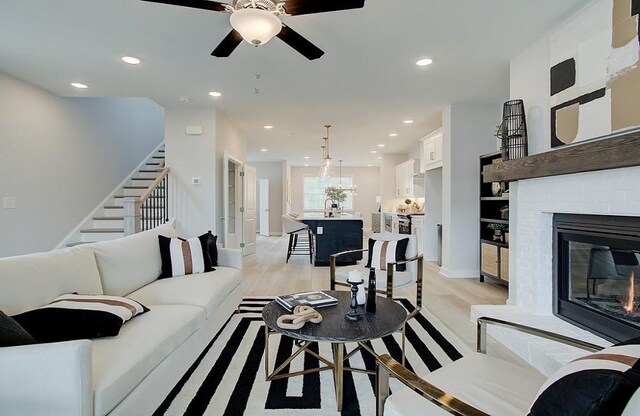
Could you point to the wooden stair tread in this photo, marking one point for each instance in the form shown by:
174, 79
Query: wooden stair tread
149, 170
102, 230
153, 164
143, 179
134, 187
109, 218
113, 207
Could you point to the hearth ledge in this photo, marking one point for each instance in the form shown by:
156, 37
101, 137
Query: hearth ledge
546, 356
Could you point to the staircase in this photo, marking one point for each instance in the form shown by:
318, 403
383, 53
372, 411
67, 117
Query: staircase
108, 222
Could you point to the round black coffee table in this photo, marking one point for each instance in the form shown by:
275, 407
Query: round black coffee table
334, 328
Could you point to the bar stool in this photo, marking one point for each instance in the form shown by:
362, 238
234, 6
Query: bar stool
300, 238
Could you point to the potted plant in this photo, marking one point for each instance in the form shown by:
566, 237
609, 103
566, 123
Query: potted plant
498, 231
335, 194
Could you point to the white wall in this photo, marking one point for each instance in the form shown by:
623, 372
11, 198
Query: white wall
433, 213
273, 172
467, 134
198, 208
192, 157
366, 178
60, 157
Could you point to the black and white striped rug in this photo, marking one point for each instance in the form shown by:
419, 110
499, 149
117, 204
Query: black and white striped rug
228, 378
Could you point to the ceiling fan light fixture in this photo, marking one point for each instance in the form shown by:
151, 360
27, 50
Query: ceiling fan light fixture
256, 26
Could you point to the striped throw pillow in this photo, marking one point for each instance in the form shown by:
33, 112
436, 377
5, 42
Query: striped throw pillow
598, 384
181, 257
74, 316
382, 252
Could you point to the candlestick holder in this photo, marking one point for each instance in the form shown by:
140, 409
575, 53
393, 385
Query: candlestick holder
353, 314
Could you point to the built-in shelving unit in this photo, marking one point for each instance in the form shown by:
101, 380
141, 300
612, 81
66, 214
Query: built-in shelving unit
494, 209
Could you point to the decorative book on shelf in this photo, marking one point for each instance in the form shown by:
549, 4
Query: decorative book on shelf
317, 299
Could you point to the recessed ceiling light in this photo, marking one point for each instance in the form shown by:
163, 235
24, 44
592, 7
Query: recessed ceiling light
393, 134
369, 166
374, 151
381, 145
215, 94
379, 157
183, 99
131, 60
263, 150
268, 127
306, 165
79, 85
306, 157
424, 62
409, 121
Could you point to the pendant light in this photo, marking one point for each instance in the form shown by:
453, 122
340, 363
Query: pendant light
326, 167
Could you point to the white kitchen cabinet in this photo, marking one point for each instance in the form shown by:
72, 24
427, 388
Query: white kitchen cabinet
404, 179
431, 151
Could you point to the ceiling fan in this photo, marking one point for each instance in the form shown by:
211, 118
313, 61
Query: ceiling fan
257, 21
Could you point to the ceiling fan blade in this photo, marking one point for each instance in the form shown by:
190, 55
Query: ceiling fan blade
228, 44
298, 7
300, 44
196, 4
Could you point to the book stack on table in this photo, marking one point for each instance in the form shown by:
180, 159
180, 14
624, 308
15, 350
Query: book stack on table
317, 299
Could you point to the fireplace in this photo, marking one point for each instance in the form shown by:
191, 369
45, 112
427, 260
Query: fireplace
597, 273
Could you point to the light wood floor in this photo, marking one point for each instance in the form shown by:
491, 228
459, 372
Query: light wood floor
267, 274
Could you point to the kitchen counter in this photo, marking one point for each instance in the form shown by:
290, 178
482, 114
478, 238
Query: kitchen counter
334, 235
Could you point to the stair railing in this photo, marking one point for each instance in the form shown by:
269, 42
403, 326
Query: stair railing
149, 209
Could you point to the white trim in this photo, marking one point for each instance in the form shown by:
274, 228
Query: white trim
457, 274
75, 233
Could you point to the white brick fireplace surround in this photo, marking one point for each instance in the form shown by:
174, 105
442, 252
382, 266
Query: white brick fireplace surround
533, 203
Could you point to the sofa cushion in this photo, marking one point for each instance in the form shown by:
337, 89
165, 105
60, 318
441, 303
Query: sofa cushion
598, 384
495, 386
382, 252
126, 264
12, 333
206, 290
73, 316
33, 280
120, 363
181, 257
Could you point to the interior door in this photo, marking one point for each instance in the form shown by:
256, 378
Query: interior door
264, 207
249, 210
232, 196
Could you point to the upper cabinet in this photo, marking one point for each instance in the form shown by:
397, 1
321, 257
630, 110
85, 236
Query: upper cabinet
404, 179
431, 151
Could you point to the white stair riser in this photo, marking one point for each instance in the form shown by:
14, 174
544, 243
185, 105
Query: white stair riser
146, 182
113, 212
132, 192
99, 236
108, 223
150, 175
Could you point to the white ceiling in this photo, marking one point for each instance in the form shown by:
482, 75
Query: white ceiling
365, 84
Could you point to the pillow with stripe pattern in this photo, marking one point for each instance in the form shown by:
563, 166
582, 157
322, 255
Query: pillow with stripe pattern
181, 257
382, 252
74, 316
599, 384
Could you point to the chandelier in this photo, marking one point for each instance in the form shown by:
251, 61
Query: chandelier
326, 167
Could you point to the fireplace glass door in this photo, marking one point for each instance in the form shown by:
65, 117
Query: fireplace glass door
598, 274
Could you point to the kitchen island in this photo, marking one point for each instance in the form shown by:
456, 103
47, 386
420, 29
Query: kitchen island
333, 235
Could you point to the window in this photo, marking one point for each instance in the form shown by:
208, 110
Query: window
313, 188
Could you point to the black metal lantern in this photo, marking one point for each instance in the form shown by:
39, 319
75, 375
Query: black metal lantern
513, 131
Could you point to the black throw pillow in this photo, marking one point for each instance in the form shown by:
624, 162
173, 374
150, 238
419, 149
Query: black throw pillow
599, 384
75, 316
181, 257
211, 246
382, 252
12, 334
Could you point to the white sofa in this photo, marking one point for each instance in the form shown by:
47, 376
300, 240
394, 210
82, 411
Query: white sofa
129, 374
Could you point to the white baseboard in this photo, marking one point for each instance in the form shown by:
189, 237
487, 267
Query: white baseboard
460, 274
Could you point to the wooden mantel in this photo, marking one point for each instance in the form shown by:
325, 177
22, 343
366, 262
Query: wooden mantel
620, 150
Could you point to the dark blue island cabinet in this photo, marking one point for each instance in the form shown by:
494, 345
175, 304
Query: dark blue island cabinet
334, 235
